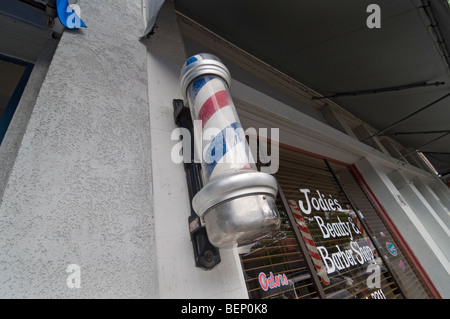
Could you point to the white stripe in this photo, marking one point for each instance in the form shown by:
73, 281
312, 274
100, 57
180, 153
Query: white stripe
234, 159
208, 90
234, 155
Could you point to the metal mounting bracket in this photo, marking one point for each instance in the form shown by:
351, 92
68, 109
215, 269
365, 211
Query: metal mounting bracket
206, 255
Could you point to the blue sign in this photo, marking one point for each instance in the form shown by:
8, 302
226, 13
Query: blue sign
391, 248
69, 14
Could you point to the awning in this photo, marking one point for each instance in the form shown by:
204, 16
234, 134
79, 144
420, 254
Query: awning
150, 9
382, 75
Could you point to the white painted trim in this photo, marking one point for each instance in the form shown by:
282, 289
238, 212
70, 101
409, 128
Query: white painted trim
257, 109
177, 275
428, 239
413, 230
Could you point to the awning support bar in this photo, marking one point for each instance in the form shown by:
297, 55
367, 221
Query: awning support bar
418, 148
381, 90
413, 133
407, 117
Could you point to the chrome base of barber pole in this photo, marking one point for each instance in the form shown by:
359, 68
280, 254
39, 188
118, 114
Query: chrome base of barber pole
238, 209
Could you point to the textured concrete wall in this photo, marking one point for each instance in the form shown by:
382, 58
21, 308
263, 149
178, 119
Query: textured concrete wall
80, 190
16, 130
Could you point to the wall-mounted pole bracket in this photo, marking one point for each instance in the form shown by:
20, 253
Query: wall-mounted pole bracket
206, 255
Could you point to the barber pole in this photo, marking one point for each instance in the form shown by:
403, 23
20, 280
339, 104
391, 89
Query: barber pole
211, 103
237, 203
358, 224
312, 249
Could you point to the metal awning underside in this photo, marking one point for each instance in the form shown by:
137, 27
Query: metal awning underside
327, 45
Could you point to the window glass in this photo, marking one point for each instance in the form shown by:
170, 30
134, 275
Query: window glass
14, 75
275, 267
344, 257
400, 264
10, 74
322, 248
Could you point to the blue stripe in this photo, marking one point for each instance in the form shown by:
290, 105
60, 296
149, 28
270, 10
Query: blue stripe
198, 83
220, 145
191, 60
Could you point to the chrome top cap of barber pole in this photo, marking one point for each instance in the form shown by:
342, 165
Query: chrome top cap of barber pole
201, 64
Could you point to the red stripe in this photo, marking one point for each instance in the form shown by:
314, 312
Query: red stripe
303, 229
358, 224
322, 277
212, 105
309, 241
297, 210
297, 216
315, 255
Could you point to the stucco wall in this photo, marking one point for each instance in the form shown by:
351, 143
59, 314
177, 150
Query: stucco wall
18, 125
80, 189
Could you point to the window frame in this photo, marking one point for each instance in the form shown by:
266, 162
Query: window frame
14, 100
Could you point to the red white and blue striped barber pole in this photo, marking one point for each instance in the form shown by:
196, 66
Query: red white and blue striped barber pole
237, 203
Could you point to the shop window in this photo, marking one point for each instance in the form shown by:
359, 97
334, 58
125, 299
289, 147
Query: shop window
325, 247
276, 268
400, 263
14, 76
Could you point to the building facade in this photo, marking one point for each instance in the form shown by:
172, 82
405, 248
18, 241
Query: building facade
92, 204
